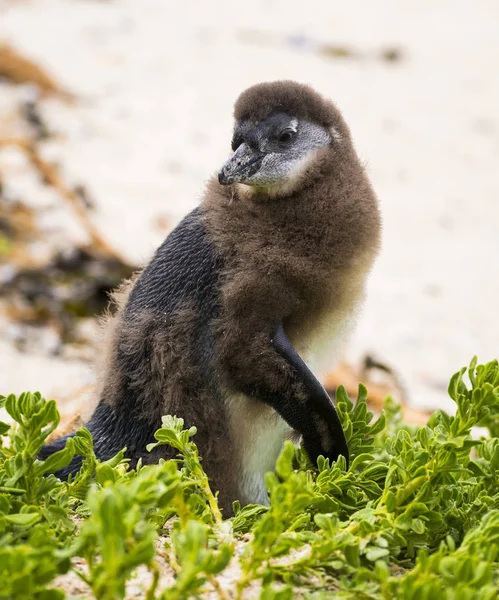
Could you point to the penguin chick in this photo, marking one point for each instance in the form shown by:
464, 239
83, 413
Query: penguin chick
243, 298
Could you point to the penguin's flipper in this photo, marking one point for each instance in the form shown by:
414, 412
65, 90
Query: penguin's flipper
315, 417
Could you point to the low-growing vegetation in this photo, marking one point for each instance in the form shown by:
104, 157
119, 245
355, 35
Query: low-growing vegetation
416, 516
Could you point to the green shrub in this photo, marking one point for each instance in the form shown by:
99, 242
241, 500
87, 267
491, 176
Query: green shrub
416, 516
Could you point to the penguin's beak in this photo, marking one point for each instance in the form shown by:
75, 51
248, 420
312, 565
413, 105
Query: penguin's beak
241, 166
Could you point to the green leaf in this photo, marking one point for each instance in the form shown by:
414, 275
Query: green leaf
373, 553
284, 464
23, 519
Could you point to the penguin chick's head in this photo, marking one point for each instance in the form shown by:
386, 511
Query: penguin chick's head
282, 128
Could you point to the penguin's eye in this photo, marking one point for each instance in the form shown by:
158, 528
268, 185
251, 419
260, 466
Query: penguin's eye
286, 136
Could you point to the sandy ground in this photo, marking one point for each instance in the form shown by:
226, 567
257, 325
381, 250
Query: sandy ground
154, 83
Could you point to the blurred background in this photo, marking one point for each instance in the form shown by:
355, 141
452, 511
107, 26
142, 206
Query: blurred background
114, 113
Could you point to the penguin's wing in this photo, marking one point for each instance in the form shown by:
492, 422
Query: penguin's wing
315, 417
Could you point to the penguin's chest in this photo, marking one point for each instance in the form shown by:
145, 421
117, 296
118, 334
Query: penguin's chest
320, 333
323, 342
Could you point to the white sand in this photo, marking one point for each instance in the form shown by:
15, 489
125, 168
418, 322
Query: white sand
156, 81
